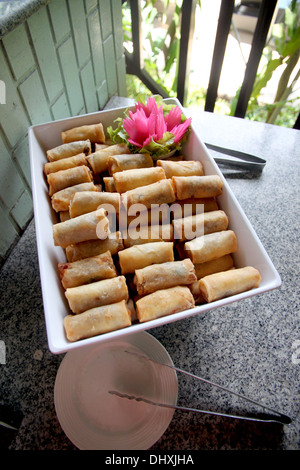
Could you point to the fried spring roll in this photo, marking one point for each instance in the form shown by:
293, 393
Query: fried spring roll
197, 186
87, 201
60, 201
109, 184
65, 163
224, 284
96, 294
92, 132
87, 270
101, 146
194, 226
116, 163
132, 179
97, 321
64, 215
140, 256
164, 275
196, 293
131, 308
69, 150
91, 226
161, 192
164, 302
181, 168
99, 159
211, 246
193, 206
113, 243
62, 179
214, 266
148, 234
144, 218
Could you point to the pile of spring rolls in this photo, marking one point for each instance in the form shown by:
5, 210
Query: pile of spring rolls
115, 275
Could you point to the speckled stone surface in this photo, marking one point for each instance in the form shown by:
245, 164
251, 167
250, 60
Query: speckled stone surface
16, 12
250, 346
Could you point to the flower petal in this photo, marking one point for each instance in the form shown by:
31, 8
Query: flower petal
180, 130
173, 118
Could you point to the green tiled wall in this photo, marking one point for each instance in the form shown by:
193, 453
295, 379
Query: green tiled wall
66, 59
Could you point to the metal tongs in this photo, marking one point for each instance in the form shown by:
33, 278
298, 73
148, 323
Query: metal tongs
239, 160
279, 418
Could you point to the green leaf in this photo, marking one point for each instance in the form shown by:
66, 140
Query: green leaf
293, 45
291, 20
173, 53
262, 81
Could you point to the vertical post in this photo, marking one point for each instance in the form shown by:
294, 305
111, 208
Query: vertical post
186, 40
136, 21
265, 17
224, 22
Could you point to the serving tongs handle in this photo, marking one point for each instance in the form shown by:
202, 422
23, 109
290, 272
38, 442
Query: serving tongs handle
282, 419
238, 160
278, 417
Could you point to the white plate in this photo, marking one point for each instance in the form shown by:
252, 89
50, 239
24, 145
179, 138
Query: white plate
250, 250
94, 419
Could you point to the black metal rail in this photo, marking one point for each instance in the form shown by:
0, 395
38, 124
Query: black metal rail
135, 66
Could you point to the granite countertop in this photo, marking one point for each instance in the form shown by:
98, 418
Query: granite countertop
250, 346
14, 12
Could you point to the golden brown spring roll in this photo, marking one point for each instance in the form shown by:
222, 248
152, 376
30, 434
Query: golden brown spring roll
211, 246
132, 179
87, 270
101, 146
65, 163
140, 218
161, 192
87, 201
116, 163
139, 256
64, 215
64, 178
181, 168
92, 132
226, 283
91, 226
197, 225
137, 216
69, 150
104, 292
99, 159
193, 206
60, 201
97, 321
197, 186
164, 275
164, 302
214, 266
77, 251
131, 308
148, 234
109, 184
196, 293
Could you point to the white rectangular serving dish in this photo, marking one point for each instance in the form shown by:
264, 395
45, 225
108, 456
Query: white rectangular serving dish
46, 136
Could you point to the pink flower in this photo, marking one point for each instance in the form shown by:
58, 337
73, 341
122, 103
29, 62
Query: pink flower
149, 107
173, 118
148, 124
137, 127
180, 130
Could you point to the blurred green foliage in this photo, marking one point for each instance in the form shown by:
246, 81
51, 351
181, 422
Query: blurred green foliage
282, 51
161, 53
